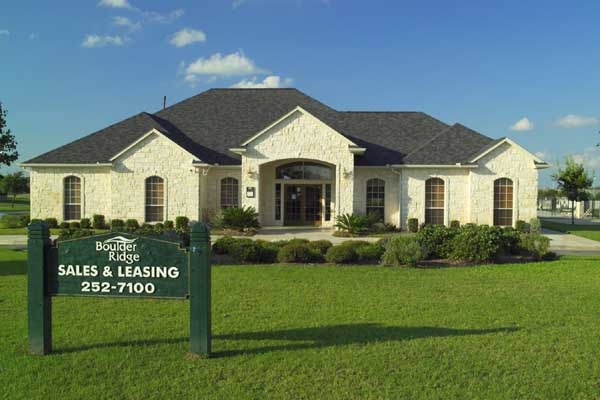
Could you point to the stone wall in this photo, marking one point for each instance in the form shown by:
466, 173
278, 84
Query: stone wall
299, 137
47, 199
506, 161
155, 155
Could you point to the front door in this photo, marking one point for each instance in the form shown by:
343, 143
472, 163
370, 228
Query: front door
302, 205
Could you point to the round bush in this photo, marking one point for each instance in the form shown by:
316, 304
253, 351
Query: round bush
268, 251
245, 250
341, 254
85, 223
117, 225
74, 225
476, 243
52, 223
223, 245
320, 245
370, 252
64, 225
169, 226
298, 253
403, 250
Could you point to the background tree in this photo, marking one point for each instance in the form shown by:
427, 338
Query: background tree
8, 145
14, 184
573, 182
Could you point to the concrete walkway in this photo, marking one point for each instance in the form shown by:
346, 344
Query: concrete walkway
565, 243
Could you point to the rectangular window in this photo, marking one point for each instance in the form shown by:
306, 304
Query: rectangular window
328, 202
278, 201
72, 198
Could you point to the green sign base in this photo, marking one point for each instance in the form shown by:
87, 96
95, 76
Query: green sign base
118, 264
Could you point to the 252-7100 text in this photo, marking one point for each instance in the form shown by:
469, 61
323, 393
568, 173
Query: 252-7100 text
118, 287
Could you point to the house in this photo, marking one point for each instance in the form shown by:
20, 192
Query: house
295, 160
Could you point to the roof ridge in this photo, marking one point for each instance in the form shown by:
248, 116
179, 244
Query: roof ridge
383, 112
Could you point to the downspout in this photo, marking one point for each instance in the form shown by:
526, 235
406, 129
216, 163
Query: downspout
399, 173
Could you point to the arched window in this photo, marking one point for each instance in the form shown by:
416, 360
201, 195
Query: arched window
229, 193
434, 201
376, 197
72, 198
155, 199
503, 202
304, 170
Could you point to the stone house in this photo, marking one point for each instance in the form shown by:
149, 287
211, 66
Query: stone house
294, 159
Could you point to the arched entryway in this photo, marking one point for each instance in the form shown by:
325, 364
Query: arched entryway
303, 192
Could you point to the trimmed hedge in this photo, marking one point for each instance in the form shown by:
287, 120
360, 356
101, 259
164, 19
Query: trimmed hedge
98, 221
403, 250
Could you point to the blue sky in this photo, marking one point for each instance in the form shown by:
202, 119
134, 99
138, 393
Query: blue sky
69, 68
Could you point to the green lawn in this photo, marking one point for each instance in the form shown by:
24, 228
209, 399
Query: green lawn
20, 204
321, 332
586, 231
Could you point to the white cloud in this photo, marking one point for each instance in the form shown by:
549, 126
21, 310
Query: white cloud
127, 23
270, 82
590, 158
186, 37
542, 155
524, 124
91, 41
115, 4
4, 32
234, 64
153, 16
576, 121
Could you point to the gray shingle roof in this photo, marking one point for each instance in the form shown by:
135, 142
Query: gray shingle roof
212, 122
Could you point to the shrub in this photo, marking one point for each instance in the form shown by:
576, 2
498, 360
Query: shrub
521, 226
85, 223
510, 241
240, 218
63, 225
159, 228
454, 224
146, 229
244, 250
370, 252
98, 221
535, 225
74, 225
169, 225
24, 220
75, 233
52, 223
298, 253
117, 225
223, 245
9, 221
341, 254
352, 223
413, 225
216, 220
535, 244
268, 251
476, 243
403, 250
320, 245
132, 225
182, 224
436, 240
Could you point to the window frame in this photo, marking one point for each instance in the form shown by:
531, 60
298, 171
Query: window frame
435, 214
67, 198
375, 190
150, 205
228, 193
505, 197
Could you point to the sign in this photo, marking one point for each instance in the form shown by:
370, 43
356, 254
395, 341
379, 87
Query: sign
250, 192
119, 264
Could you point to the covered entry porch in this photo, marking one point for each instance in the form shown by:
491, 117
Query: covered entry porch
297, 193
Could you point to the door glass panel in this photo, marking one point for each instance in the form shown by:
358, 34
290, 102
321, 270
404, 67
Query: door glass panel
302, 205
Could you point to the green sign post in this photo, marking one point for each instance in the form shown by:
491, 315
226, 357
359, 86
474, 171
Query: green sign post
118, 264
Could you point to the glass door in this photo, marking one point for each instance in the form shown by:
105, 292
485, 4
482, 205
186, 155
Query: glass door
303, 205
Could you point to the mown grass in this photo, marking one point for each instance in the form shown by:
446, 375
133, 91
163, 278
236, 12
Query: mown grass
586, 231
314, 332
